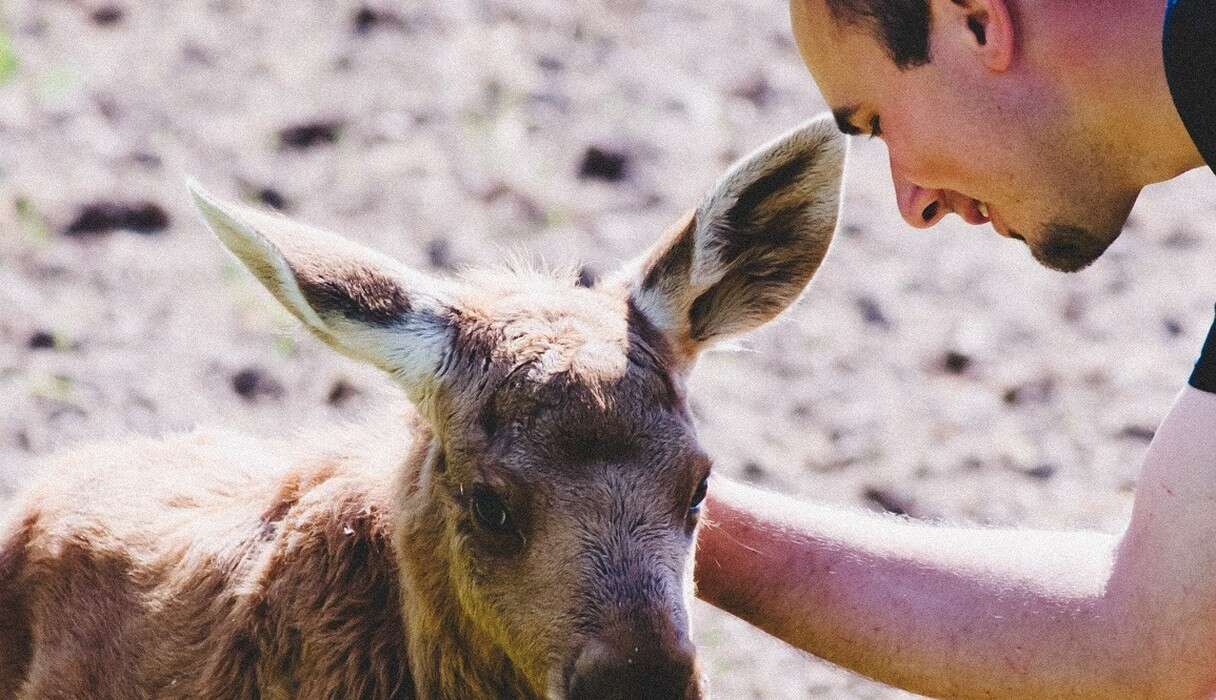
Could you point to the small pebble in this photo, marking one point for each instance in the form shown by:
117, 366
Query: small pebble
107, 15
753, 471
872, 313
310, 134
252, 383
41, 340
1042, 471
1172, 327
956, 362
550, 63
103, 217
603, 164
367, 19
1181, 239
886, 500
272, 198
146, 159
439, 254
341, 392
756, 91
1138, 432
1038, 391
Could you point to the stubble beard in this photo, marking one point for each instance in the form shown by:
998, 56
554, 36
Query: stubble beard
1066, 248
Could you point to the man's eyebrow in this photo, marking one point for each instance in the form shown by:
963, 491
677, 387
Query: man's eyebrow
844, 119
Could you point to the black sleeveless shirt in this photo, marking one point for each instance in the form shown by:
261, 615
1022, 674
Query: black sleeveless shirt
1189, 48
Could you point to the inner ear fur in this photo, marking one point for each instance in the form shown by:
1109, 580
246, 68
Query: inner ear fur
362, 303
746, 253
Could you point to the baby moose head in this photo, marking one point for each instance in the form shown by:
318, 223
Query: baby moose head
548, 515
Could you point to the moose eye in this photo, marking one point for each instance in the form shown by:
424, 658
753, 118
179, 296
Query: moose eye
698, 496
490, 512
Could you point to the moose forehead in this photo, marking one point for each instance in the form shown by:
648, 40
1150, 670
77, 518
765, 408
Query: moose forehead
579, 440
572, 376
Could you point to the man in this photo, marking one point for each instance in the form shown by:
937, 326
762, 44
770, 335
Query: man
1045, 118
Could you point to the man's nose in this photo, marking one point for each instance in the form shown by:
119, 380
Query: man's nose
920, 207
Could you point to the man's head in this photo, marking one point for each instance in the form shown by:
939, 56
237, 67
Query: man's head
900, 26
985, 112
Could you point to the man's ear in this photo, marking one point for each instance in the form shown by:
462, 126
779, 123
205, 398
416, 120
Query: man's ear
987, 28
749, 249
359, 302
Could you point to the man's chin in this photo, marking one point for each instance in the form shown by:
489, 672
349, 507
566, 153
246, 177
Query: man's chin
1069, 248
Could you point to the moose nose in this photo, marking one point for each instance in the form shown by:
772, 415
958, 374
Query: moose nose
635, 672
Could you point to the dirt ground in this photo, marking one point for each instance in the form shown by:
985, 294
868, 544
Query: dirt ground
938, 373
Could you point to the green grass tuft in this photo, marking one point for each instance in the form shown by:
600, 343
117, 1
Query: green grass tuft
8, 59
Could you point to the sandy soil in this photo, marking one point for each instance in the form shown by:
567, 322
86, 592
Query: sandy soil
939, 373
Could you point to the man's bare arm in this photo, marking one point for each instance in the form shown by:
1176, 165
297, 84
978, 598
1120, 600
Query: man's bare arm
970, 613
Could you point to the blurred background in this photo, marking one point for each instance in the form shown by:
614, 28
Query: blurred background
940, 374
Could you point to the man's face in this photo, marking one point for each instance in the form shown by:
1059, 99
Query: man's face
1002, 147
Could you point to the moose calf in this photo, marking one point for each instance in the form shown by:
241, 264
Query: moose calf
524, 529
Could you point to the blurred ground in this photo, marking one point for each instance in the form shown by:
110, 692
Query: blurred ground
942, 374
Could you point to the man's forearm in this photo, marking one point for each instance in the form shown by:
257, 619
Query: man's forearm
942, 611
963, 613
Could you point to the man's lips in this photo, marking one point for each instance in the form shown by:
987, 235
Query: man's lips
998, 225
974, 212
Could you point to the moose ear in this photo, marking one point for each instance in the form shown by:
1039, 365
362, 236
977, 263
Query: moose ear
749, 249
360, 302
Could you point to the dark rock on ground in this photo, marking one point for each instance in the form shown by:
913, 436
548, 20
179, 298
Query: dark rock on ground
366, 19
41, 340
103, 217
341, 392
753, 471
253, 383
604, 164
887, 500
872, 313
956, 362
1143, 433
439, 254
755, 90
1040, 471
1040, 391
550, 63
107, 15
272, 198
311, 134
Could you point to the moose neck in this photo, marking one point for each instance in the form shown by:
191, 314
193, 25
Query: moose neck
450, 655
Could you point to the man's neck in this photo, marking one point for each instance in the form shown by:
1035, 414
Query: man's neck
1108, 53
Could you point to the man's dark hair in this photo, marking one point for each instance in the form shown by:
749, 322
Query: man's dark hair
901, 25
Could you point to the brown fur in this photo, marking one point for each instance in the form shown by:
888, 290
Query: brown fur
182, 583
363, 565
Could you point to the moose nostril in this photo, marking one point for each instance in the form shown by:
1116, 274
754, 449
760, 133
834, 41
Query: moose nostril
604, 673
930, 212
